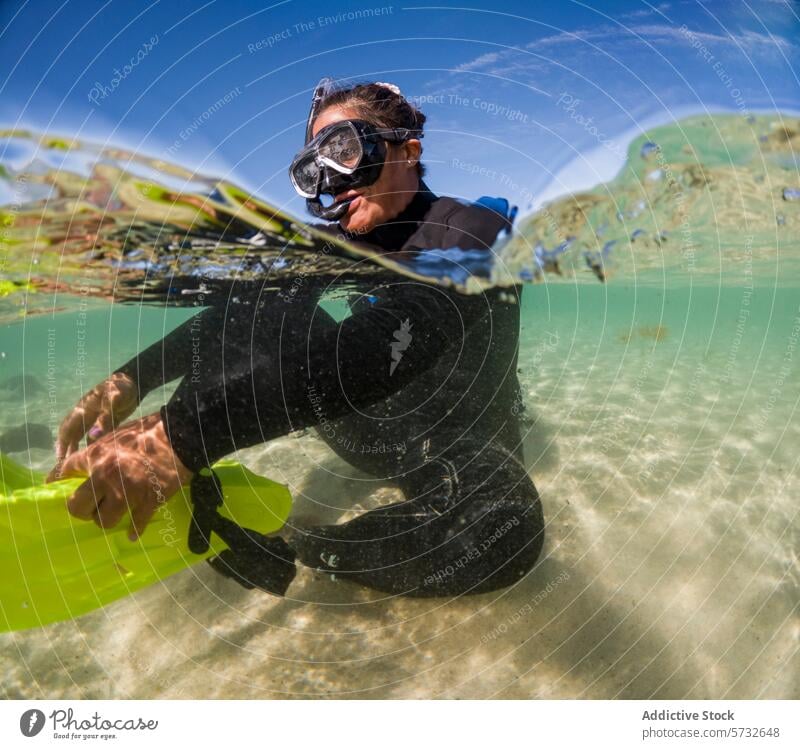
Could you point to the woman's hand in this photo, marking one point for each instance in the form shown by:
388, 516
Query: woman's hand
104, 407
133, 468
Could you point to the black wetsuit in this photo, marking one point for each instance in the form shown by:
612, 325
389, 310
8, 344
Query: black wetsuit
417, 386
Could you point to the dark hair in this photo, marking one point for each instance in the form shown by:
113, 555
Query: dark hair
379, 105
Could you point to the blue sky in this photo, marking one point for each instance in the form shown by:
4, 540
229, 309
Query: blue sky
513, 91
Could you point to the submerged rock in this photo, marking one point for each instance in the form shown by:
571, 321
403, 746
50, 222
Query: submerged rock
21, 438
20, 385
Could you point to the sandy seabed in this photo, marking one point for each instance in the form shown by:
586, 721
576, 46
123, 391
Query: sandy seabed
663, 438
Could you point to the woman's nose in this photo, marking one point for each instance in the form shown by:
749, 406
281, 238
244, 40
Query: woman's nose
327, 183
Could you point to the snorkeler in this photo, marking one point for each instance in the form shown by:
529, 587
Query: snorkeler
417, 386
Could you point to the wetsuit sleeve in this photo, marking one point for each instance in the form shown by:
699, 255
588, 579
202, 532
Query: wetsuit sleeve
454, 224
167, 359
197, 343
302, 377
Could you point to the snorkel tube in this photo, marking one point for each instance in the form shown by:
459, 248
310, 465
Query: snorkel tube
324, 87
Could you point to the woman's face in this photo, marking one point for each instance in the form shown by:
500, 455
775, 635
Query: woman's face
385, 199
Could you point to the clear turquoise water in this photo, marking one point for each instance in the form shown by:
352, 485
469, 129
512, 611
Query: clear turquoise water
663, 437
662, 433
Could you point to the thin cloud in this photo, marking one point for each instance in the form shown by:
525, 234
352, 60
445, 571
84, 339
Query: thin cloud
643, 12
478, 62
751, 42
748, 40
570, 37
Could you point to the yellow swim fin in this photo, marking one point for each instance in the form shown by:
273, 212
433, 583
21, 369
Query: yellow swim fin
54, 567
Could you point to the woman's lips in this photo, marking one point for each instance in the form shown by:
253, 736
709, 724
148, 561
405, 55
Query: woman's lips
341, 197
354, 198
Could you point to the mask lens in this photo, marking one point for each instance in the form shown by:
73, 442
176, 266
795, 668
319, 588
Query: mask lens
306, 174
342, 147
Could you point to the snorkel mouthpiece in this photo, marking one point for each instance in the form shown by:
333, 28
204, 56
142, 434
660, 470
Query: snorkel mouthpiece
333, 212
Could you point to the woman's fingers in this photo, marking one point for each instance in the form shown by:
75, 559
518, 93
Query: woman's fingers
111, 509
72, 429
119, 480
95, 500
76, 464
100, 498
140, 517
75, 424
104, 408
66, 437
86, 501
73, 448
103, 425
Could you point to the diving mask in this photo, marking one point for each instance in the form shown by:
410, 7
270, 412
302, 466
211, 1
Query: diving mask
343, 156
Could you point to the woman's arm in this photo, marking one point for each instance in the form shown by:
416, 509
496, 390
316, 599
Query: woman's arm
103, 408
194, 348
302, 377
171, 357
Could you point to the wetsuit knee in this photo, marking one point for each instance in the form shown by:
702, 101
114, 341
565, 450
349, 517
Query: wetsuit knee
467, 528
494, 537
503, 548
